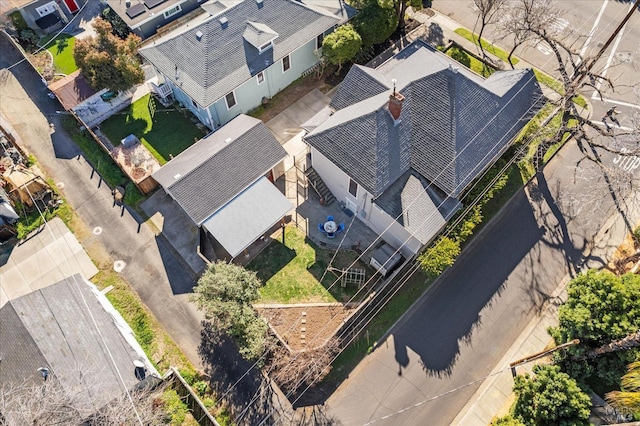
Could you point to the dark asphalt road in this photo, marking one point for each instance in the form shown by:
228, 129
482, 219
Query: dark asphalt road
152, 269
455, 334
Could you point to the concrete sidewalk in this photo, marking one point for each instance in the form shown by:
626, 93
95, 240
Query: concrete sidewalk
494, 397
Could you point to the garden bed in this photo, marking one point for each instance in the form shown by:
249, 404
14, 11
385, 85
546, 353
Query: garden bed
320, 323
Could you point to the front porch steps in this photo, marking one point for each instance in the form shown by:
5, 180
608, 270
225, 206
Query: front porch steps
316, 182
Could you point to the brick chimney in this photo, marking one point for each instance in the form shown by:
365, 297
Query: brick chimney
395, 102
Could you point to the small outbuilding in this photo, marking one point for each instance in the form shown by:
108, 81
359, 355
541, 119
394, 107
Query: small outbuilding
224, 183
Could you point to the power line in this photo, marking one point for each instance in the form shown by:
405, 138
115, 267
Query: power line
413, 234
394, 292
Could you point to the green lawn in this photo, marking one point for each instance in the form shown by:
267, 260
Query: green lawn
62, 50
469, 61
494, 50
165, 132
292, 272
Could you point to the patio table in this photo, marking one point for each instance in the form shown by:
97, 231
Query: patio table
330, 227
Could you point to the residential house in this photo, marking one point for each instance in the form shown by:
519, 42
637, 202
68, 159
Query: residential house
50, 15
146, 17
399, 144
70, 333
230, 59
224, 184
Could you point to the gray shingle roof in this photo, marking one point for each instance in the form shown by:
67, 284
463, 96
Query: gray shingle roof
417, 206
453, 123
363, 83
208, 174
213, 65
52, 327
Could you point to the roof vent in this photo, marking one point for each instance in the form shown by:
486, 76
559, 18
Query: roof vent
127, 3
260, 3
452, 68
224, 22
227, 140
199, 35
176, 176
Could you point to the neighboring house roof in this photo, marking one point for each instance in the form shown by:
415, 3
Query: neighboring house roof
208, 174
417, 206
453, 123
140, 11
72, 90
248, 216
56, 328
212, 58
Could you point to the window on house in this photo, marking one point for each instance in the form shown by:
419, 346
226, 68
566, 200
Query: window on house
265, 47
230, 99
286, 63
353, 188
319, 41
194, 103
172, 11
260, 77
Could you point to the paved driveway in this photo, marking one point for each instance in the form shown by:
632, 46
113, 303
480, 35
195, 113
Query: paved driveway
48, 256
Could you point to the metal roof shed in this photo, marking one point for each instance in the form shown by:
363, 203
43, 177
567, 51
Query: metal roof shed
248, 216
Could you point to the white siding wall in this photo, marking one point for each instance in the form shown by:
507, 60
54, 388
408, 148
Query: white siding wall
338, 182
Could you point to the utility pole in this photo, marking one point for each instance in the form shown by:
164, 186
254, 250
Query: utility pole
538, 355
581, 76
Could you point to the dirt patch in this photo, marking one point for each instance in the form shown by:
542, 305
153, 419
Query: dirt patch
317, 326
625, 257
136, 161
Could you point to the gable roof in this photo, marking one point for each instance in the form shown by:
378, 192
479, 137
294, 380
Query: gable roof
54, 328
211, 172
453, 123
417, 206
210, 66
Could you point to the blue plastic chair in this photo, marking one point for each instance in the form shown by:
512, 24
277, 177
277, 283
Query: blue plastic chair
331, 234
340, 228
321, 228
329, 218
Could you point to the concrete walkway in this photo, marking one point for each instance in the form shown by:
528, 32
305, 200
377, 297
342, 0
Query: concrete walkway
47, 256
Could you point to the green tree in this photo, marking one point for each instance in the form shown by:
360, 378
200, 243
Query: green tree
341, 45
439, 256
600, 307
507, 421
108, 61
629, 397
375, 22
551, 397
225, 293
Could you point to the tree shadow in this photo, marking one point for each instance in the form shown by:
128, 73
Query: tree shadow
271, 260
249, 395
477, 281
435, 35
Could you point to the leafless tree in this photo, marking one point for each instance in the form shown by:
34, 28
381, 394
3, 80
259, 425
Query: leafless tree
488, 13
49, 403
292, 370
518, 18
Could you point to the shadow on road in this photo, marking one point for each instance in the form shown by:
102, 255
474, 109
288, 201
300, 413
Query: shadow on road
450, 315
175, 273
